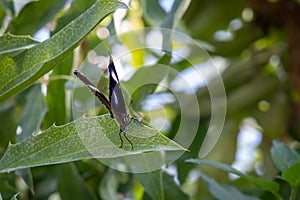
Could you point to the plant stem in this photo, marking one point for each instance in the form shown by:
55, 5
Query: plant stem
278, 197
293, 192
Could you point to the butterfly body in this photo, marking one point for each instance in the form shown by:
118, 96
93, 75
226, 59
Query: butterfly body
118, 107
115, 104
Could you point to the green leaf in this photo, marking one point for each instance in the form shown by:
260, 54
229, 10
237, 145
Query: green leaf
2, 15
112, 183
19, 5
26, 22
203, 18
26, 175
171, 189
10, 43
176, 13
77, 7
292, 175
171, 20
148, 77
153, 18
56, 96
159, 185
14, 197
8, 7
74, 188
95, 137
283, 156
33, 113
152, 183
20, 71
266, 185
8, 124
7, 188
225, 192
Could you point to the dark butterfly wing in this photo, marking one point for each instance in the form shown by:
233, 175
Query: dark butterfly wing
115, 93
116, 103
94, 90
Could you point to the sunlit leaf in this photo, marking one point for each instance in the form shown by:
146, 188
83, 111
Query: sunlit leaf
23, 69
26, 21
95, 137
10, 43
77, 7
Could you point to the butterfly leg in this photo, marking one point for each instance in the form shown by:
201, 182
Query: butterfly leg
120, 136
128, 141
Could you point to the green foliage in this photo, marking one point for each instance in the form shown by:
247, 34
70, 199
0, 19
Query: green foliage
25, 22
288, 162
272, 187
289, 169
58, 142
24, 68
283, 156
82, 138
225, 192
11, 43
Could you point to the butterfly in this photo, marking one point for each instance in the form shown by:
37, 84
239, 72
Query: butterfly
115, 104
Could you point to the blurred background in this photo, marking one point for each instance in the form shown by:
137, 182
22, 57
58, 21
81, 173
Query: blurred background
253, 46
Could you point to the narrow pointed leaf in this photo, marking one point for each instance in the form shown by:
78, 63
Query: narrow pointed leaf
20, 71
10, 43
75, 187
152, 183
267, 185
95, 137
33, 113
25, 21
225, 192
